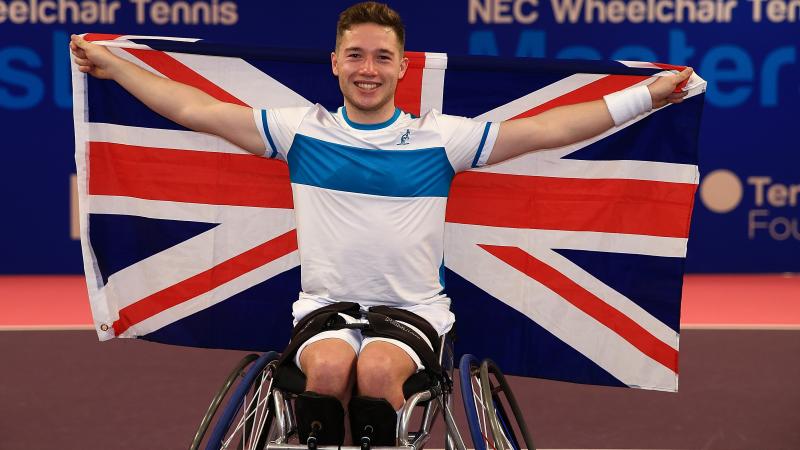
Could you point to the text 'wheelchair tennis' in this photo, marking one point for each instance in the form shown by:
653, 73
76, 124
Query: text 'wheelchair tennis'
260, 409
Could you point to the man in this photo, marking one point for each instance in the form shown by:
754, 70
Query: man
370, 184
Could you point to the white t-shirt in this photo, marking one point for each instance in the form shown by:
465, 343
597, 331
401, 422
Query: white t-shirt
370, 201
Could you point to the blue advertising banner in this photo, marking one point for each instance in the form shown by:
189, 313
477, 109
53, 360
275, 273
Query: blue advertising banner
746, 219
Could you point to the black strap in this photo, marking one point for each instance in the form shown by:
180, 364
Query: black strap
314, 323
385, 321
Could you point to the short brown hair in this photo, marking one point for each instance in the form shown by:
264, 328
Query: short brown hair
371, 12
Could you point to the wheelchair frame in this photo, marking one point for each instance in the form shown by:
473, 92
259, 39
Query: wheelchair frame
267, 412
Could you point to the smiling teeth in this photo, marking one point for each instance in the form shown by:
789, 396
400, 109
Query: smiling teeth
367, 85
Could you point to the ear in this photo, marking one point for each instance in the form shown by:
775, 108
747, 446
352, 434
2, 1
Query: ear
334, 68
403, 67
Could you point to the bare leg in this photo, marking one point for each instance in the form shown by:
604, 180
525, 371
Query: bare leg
329, 365
381, 371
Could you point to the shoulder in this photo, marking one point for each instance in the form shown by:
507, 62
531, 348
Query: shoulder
290, 114
446, 123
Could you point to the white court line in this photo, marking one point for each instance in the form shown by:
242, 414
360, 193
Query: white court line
742, 326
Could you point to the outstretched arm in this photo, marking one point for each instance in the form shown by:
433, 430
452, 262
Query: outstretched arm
178, 102
566, 125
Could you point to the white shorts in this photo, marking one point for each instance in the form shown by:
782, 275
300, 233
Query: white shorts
437, 314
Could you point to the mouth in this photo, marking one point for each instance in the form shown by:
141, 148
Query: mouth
367, 85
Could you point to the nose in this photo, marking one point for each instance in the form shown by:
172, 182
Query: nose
368, 67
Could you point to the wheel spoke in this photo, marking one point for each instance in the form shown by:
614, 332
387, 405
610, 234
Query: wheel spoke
254, 408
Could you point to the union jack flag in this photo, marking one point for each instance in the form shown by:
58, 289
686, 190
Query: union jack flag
565, 263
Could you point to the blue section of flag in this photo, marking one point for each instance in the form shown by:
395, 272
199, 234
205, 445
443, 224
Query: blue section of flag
108, 102
652, 282
488, 328
407, 173
260, 319
646, 139
120, 241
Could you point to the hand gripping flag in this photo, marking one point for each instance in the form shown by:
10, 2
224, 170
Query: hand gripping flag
565, 263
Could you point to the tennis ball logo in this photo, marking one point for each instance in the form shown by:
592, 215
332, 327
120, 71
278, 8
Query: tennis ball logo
721, 191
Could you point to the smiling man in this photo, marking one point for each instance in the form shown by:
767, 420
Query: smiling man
370, 186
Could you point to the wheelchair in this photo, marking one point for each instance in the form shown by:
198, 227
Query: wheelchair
259, 412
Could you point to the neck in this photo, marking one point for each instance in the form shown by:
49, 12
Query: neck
361, 116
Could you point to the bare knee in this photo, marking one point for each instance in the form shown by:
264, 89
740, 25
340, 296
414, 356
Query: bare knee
329, 365
382, 369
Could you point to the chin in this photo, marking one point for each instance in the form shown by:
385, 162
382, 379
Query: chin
369, 106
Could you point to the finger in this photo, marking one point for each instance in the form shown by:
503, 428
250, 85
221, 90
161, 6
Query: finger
677, 98
80, 42
681, 79
83, 62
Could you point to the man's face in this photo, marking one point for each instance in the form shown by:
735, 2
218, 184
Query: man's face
368, 63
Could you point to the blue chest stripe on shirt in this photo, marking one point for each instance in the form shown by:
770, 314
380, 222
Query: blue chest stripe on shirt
393, 173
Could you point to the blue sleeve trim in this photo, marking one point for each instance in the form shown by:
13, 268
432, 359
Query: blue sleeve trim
269, 136
480, 146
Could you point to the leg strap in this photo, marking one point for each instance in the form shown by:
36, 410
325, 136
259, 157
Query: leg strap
320, 419
325, 318
388, 322
373, 422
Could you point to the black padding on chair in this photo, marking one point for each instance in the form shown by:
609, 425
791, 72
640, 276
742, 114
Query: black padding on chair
321, 416
373, 419
420, 381
289, 378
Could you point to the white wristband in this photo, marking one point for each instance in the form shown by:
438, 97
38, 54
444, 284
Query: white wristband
629, 103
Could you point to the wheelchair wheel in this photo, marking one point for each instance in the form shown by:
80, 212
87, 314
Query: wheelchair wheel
247, 417
493, 383
472, 395
237, 372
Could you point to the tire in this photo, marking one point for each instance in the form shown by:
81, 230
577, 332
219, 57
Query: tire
246, 419
237, 372
471, 394
493, 383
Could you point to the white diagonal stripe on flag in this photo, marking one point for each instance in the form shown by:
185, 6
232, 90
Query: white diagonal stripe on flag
565, 321
242, 80
539, 97
194, 256
214, 296
541, 243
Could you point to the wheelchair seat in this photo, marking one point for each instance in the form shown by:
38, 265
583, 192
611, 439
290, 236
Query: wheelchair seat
290, 379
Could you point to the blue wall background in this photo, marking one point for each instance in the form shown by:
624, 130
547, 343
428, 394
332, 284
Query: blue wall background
746, 50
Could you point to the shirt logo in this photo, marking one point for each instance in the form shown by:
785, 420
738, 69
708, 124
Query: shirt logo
405, 137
